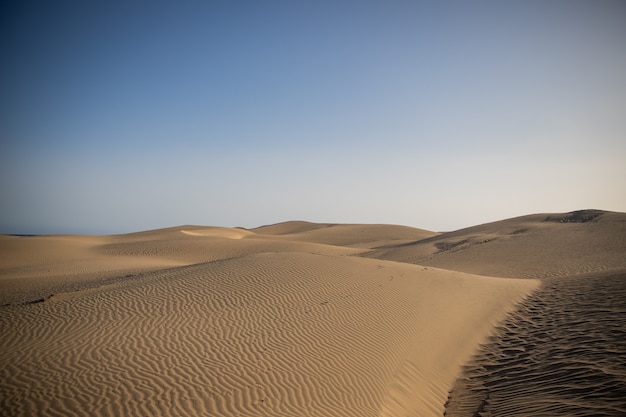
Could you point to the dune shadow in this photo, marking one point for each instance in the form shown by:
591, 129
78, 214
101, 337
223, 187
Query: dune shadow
563, 353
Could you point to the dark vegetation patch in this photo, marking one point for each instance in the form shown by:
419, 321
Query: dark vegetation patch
579, 216
446, 246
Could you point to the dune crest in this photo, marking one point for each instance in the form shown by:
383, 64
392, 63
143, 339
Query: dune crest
222, 232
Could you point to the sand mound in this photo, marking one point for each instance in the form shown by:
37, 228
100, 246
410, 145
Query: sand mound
540, 245
36, 266
220, 232
354, 235
289, 227
289, 334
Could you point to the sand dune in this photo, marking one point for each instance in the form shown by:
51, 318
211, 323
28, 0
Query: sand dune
220, 232
535, 246
301, 319
36, 266
267, 334
355, 235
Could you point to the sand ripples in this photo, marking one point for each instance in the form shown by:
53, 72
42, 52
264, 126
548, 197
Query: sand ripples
276, 334
562, 354
209, 339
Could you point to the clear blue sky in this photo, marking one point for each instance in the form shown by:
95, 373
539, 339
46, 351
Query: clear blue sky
124, 116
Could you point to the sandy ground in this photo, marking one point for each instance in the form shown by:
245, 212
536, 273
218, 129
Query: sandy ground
562, 353
293, 319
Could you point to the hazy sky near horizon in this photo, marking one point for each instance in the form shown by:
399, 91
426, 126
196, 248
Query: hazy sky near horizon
125, 116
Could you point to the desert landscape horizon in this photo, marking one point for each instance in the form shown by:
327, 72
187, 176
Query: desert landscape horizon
515, 317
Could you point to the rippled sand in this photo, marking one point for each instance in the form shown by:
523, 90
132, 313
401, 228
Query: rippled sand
237, 323
304, 319
563, 353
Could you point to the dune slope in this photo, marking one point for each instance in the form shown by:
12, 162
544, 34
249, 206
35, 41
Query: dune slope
241, 324
560, 354
354, 235
535, 246
35, 267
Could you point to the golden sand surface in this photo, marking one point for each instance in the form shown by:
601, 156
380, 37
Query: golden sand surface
535, 246
293, 319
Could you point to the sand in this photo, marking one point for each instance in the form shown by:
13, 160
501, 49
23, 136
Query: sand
534, 246
293, 319
562, 353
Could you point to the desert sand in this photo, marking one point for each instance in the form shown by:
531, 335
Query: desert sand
292, 319
562, 353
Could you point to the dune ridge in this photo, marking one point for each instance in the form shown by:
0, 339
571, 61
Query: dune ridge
366, 236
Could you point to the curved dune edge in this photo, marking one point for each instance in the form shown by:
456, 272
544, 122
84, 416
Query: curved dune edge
223, 232
281, 334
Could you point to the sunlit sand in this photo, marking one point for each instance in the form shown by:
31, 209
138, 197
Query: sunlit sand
292, 319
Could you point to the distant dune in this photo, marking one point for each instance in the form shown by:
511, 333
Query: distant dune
292, 319
535, 246
354, 235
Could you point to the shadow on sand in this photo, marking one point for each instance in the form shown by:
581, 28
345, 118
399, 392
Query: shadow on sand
562, 353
